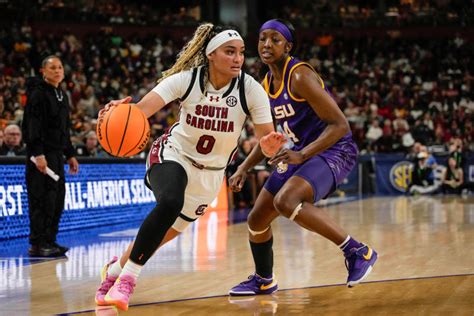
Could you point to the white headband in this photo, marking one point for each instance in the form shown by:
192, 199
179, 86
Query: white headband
221, 38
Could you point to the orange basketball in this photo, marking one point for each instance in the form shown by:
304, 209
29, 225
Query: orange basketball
123, 131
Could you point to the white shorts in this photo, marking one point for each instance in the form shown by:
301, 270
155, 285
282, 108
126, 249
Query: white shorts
203, 184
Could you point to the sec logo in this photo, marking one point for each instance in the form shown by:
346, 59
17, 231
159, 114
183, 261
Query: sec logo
400, 175
231, 101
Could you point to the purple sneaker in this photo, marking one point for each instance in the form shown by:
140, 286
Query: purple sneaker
255, 285
359, 263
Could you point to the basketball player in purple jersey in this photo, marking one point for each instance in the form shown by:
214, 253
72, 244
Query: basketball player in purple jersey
323, 154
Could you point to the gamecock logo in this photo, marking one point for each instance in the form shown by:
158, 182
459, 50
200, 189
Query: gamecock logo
201, 209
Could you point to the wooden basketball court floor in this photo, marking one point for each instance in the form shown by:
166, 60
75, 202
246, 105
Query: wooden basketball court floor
425, 267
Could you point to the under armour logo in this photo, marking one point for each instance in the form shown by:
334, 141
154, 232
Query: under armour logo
233, 34
211, 98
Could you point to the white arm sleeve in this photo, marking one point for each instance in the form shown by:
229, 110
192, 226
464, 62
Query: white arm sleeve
257, 102
174, 86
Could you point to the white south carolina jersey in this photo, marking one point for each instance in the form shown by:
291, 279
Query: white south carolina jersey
210, 124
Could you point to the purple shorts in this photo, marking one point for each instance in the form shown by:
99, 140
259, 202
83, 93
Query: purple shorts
315, 171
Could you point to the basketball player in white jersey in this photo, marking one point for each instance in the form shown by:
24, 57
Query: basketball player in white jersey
185, 166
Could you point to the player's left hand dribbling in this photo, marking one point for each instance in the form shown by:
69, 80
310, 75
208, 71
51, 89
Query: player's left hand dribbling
113, 103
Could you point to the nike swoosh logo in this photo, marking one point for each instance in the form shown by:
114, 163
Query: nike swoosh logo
368, 255
266, 287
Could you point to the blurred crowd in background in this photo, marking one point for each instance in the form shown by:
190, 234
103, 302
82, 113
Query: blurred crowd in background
302, 13
374, 13
394, 91
140, 12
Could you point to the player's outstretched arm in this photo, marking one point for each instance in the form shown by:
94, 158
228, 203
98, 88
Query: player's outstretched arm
271, 143
149, 104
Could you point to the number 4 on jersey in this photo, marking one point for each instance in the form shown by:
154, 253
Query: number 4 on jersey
289, 133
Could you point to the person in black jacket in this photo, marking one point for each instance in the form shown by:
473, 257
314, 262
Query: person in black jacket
46, 125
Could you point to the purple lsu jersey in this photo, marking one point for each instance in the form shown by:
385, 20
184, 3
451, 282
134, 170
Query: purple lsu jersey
302, 125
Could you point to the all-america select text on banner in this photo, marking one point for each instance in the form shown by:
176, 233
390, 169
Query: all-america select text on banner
101, 193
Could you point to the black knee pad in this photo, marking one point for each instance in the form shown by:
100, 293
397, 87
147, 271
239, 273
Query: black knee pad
168, 182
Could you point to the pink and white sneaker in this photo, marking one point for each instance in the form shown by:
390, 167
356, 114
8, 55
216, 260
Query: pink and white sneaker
119, 294
107, 282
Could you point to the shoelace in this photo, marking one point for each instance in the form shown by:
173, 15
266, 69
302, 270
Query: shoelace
350, 258
249, 279
125, 286
106, 285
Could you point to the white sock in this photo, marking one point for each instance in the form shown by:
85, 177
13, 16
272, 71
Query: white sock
131, 268
115, 269
344, 243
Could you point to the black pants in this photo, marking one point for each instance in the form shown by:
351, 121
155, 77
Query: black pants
45, 199
447, 189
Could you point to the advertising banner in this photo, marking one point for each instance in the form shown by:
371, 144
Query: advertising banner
99, 195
